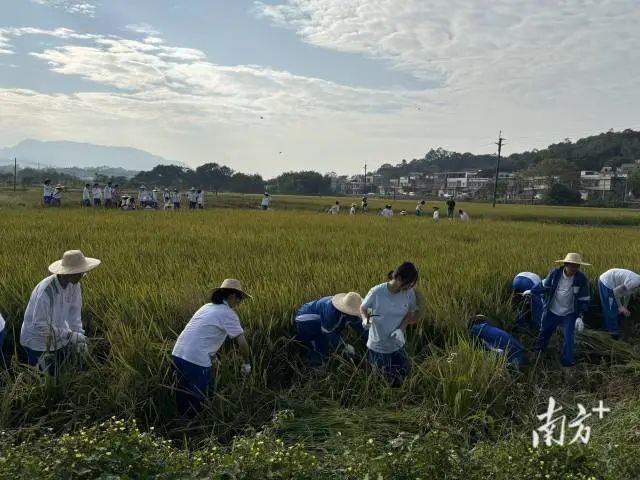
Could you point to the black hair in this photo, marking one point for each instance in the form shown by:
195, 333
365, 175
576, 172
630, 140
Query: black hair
422, 202
478, 318
219, 296
407, 272
460, 211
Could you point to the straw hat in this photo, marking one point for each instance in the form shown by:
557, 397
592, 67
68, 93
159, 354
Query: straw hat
73, 261
573, 258
348, 303
232, 284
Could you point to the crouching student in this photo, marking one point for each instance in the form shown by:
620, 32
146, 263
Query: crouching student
52, 321
3, 335
200, 341
616, 286
387, 310
530, 307
319, 325
496, 340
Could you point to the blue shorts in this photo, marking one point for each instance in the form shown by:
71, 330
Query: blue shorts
47, 361
393, 366
47, 200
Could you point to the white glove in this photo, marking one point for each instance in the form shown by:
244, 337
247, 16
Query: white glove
246, 368
82, 347
498, 351
398, 336
349, 350
366, 324
579, 324
77, 337
526, 293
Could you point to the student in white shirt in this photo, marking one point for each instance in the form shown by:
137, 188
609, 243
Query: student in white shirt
97, 195
616, 286
200, 341
192, 198
86, 195
388, 309
166, 196
200, 198
387, 212
47, 192
52, 320
266, 201
176, 198
108, 196
436, 213
56, 198
352, 210
464, 216
335, 209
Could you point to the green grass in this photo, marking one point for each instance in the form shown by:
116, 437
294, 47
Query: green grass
158, 268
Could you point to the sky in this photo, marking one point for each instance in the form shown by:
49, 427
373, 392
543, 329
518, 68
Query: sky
277, 85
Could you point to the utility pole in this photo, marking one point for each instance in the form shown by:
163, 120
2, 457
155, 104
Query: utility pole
495, 185
15, 172
365, 178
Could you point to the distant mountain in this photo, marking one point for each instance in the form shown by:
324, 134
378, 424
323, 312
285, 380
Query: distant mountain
34, 153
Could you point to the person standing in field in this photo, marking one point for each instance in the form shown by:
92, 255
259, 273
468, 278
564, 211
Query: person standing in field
191, 196
142, 196
86, 195
566, 292
47, 192
166, 197
464, 216
616, 286
436, 213
335, 209
387, 310
451, 205
97, 195
266, 201
319, 325
116, 196
531, 314
108, 196
420, 209
495, 340
52, 321
200, 198
154, 197
200, 341
56, 199
365, 204
387, 211
176, 198
352, 210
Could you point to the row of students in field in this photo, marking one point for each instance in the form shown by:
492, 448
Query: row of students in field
52, 326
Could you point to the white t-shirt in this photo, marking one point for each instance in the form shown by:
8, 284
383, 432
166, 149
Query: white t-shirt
389, 309
387, 213
97, 193
618, 277
464, 216
562, 301
86, 194
47, 191
108, 193
266, 201
2, 323
334, 210
206, 332
352, 211
436, 214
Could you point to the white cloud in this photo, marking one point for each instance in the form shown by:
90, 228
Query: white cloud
81, 7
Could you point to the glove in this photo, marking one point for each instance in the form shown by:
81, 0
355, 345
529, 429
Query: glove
82, 347
76, 337
349, 350
579, 324
526, 293
498, 351
245, 368
398, 336
366, 324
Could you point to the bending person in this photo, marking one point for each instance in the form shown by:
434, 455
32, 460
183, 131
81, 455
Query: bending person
496, 340
387, 309
531, 315
200, 341
616, 287
52, 320
319, 325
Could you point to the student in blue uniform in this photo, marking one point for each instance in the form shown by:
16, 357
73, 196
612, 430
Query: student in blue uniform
387, 309
319, 325
530, 314
496, 340
3, 335
566, 291
616, 286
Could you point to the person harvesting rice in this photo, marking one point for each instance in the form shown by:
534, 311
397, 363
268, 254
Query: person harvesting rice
615, 287
319, 324
420, 209
201, 339
496, 340
531, 315
387, 211
387, 310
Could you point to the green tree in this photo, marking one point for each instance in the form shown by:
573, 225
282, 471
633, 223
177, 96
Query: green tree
243, 183
560, 194
634, 182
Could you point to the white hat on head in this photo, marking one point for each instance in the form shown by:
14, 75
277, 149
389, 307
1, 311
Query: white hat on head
232, 284
73, 262
574, 258
348, 303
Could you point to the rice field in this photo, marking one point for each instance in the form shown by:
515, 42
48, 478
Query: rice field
158, 268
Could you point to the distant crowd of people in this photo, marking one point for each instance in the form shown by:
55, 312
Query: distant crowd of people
387, 211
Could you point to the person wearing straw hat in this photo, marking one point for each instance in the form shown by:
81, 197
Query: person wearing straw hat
566, 293
494, 339
319, 325
200, 341
616, 286
531, 306
387, 310
52, 321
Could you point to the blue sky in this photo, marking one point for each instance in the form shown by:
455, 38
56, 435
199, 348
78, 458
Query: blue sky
330, 83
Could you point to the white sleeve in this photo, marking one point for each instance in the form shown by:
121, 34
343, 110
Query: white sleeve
42, 322
632, 282
370, 299
413, 301
231, 324
75, 312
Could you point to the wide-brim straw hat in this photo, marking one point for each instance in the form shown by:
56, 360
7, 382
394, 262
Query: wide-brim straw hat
574, 258
73, 262
348, 303
232, 284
